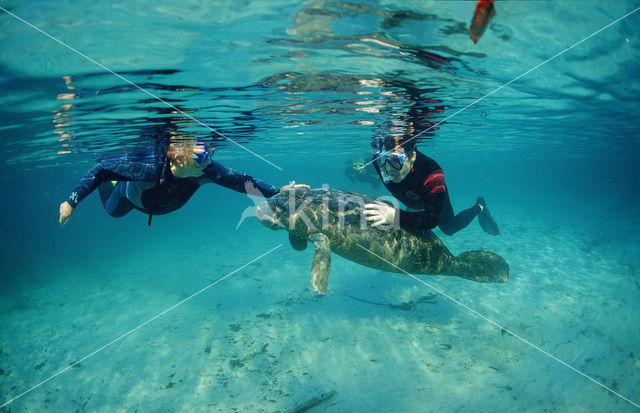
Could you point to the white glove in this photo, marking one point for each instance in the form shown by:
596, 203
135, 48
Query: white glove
379, 214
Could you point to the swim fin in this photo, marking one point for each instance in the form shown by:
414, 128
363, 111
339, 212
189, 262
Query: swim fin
485, 10
486, 221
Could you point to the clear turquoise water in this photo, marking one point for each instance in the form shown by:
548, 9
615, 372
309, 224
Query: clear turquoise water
306, 85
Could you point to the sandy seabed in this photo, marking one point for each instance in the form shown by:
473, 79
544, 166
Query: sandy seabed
262, 341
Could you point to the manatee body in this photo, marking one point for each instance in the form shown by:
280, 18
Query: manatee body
332, 220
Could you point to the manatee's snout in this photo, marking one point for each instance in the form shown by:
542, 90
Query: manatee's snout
265, 214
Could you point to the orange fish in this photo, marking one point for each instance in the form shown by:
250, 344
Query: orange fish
481, 18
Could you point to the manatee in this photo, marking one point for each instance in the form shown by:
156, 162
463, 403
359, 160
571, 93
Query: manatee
332, 220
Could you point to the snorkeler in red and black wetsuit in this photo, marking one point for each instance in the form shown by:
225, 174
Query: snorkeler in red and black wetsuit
418, 182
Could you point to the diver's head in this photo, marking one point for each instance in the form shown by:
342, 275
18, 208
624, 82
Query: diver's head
202, 154
189, 159
395, 157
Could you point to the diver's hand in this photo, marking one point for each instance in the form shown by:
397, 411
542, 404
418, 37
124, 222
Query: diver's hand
293, 185
379, 214
66, 210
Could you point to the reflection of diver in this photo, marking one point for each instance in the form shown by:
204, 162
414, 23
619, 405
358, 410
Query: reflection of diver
356, 171
316, 18
316, 23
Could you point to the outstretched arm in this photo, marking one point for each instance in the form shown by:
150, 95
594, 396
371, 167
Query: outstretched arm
87, 184
143, 168
237, 181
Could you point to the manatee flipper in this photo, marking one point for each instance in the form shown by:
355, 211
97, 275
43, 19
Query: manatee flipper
486, 221
482, 266
298, 244
321, 263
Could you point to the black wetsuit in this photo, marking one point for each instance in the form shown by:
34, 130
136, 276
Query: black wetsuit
145, 182
424, 190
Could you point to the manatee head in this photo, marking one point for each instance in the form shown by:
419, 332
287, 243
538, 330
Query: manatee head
293, 210
269, 212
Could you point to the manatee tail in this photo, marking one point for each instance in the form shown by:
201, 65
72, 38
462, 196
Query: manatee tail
482, 266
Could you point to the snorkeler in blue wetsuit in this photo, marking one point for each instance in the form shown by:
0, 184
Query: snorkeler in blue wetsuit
160, 182
418, 182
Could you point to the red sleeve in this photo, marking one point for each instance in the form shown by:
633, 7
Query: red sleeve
432, 197
435, 182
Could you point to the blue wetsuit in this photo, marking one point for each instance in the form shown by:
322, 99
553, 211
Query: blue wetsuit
145, 182
424, 191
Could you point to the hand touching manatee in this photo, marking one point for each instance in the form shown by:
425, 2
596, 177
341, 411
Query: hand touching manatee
379, 214
293, 185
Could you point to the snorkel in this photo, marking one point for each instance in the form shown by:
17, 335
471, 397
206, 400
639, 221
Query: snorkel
385, 176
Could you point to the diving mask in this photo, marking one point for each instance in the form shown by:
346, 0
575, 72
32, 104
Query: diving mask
204, 158
396, 161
